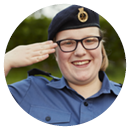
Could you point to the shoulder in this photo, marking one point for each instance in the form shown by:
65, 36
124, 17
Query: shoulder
115, 87
30, 85
110, 85
23, 86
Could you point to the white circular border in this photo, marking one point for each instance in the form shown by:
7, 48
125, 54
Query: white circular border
13, 13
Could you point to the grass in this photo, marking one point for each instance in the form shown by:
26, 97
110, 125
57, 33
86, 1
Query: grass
115, 73
19, 74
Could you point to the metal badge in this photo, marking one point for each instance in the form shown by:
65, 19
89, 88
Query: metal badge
82, 15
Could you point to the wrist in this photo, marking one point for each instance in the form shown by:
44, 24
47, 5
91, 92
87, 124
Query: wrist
7, 64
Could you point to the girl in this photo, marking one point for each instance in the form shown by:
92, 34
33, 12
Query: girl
84, 91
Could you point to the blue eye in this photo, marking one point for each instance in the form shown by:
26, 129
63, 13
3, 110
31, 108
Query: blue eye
67, 43
90, 40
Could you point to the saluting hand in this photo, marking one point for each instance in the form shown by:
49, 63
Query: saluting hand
25, 55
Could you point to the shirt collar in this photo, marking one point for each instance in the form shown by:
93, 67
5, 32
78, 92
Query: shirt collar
58, 84
107, 85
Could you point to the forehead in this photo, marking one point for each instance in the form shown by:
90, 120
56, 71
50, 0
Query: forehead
77, 33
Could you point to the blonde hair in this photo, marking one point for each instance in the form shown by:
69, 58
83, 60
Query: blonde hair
105, 61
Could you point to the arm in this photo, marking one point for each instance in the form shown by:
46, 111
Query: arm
27, 55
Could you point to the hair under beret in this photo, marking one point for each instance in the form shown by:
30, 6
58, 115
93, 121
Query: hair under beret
73, 17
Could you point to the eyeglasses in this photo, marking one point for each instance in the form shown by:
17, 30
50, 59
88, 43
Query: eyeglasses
89, 43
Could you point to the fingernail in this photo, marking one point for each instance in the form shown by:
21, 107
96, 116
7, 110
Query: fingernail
50, 41
55, 44
46, 55
53, 49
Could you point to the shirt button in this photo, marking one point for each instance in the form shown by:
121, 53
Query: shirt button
48, 118
85, 104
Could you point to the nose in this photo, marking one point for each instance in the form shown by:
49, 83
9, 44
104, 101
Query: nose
80, 50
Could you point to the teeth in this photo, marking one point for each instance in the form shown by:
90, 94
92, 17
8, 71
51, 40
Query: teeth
81, 63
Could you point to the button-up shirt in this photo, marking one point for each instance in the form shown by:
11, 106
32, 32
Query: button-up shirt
55, 102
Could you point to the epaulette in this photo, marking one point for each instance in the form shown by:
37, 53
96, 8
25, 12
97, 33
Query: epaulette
120, 84
115, 87
35, 71
117, 84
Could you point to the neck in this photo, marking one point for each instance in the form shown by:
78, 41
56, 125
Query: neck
89, 89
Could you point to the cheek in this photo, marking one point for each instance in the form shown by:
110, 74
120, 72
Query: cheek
97, 56
61, 58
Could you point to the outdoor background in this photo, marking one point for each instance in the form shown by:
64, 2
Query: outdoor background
34, 29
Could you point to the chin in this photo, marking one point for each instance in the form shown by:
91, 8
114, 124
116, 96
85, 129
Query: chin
82, 79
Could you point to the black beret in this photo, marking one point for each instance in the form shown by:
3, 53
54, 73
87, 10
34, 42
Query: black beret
73, 17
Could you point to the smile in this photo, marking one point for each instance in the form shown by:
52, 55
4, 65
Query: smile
81, 62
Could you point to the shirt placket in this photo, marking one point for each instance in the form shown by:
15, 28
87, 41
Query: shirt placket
86, 111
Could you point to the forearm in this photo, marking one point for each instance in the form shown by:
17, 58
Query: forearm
7, 66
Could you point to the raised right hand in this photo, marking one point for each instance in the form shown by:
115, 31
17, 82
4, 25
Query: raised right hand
25, 55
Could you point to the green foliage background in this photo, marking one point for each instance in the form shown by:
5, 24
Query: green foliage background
33, 30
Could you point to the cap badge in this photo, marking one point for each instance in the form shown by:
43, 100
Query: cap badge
82, 15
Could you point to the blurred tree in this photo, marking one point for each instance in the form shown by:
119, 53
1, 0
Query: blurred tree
34, 29
31, 30
113, 43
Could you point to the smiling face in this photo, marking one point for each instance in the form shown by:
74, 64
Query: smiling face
80, 66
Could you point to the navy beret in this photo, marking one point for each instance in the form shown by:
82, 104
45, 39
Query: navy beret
73, 17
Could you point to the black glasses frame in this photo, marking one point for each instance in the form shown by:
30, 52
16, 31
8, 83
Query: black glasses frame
81, 41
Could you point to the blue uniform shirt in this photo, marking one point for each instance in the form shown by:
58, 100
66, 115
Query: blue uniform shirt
56, 103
